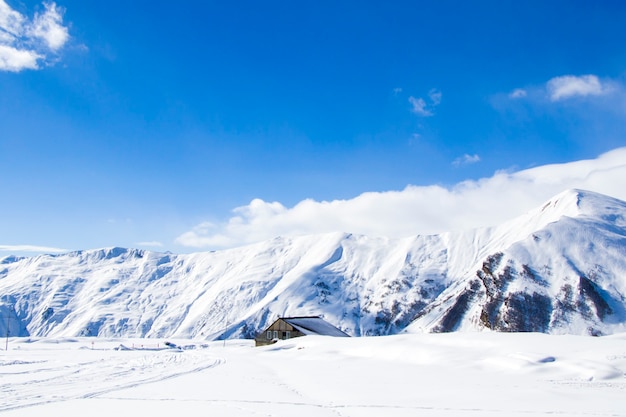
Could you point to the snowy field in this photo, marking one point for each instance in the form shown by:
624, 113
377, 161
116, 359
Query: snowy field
457, 374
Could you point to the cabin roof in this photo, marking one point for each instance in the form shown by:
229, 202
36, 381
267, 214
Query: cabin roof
314, 326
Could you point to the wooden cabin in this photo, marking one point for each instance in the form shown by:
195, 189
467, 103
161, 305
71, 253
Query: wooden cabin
290, 327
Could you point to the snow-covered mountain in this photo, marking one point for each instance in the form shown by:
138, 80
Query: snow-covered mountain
558, 269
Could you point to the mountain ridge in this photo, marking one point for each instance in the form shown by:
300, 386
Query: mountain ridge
557, 269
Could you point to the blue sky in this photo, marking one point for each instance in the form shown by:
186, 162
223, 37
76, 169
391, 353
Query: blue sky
203, 125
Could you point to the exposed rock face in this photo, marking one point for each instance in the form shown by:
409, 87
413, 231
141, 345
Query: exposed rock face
558, 269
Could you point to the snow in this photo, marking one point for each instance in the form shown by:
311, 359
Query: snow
362, 285
456, 374
314, 326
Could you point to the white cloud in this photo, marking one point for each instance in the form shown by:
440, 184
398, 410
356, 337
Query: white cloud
203, 235
15, 60
49, 27
518, 93
414, 139
31, 248
435, 96
11, 21
24, 44
568, 86
416, 209
152, 243
466, 160
5, 38
421, 108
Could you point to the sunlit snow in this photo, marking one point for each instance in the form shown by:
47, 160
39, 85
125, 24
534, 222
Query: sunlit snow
557, 269
456, 374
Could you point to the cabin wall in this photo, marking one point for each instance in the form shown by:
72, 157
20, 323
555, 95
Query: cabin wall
280, 330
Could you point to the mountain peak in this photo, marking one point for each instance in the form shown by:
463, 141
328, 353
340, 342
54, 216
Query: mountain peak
559, 268
583, 203
574, 203
565, 203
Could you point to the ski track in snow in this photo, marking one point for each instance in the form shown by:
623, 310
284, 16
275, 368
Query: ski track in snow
55, 382
513, 375
251, 407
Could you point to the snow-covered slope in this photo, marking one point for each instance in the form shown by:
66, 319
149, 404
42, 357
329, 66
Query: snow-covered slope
425, 375
558, 269
563, 271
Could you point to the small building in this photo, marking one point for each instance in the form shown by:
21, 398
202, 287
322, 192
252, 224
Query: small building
290, 327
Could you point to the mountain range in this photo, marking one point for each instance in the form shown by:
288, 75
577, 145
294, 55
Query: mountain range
558, 269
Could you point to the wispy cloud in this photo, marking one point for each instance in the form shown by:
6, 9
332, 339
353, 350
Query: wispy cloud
568, 86
11, 22
420, 107
416, 209
435, 96
48, 26
209, 235
152, 243
29, 43
31, 248
466, 160
414, 138
518, 93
